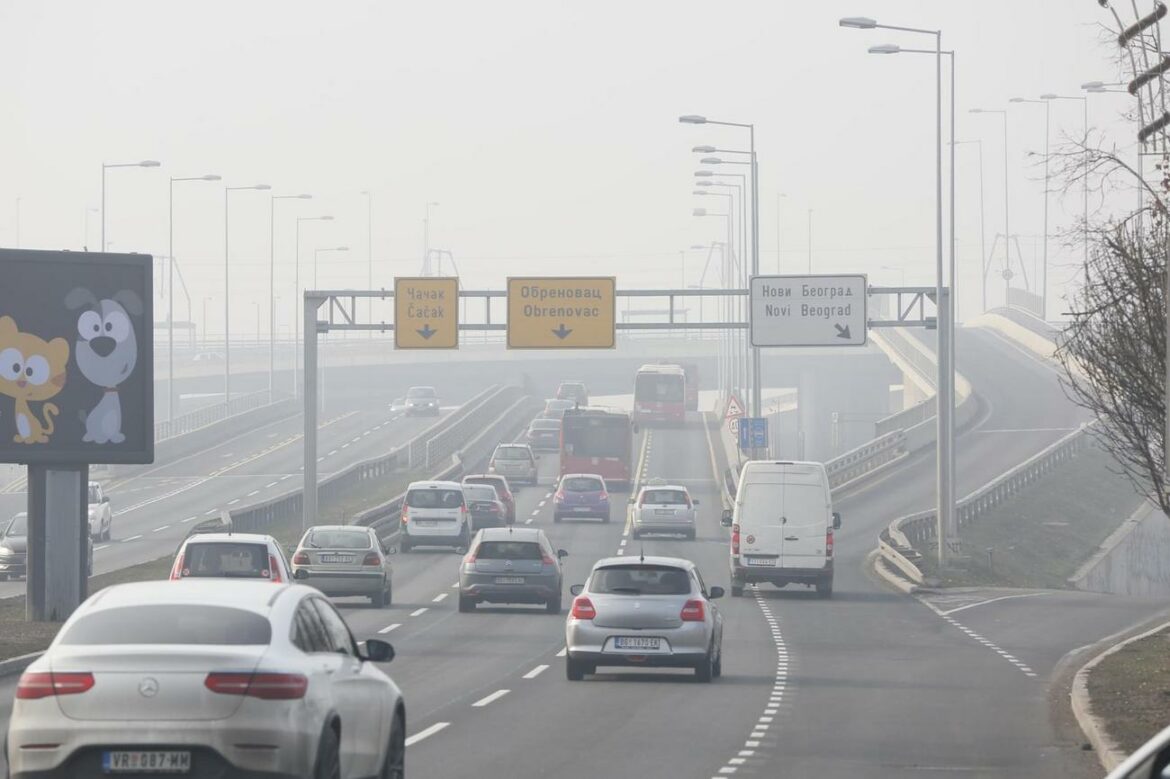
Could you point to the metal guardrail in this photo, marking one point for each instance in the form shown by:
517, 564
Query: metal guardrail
477, 412
900, 541
866, 458
208, 415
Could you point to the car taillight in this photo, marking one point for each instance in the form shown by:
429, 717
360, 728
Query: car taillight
604, 495
274, 568
544, 558
693, 611
560, 496
405, 513
583, 608
372, 558
35, 685
266, 686
470, 556
301, 558
177, 568
829, 542
735, 539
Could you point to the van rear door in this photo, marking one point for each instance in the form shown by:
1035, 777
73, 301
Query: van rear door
761, 534
804, 521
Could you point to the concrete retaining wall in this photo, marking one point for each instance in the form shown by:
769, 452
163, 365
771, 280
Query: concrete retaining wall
1134, 560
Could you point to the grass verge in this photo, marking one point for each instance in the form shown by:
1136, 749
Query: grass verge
1130, 690
1040, 538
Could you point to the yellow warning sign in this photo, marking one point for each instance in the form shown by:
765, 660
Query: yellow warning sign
562, 312
426, 313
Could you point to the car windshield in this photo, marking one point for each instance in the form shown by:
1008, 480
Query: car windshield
169, 624
512, 453
665, 497
438, 498
226, 559
338, 539
17, 527
421, 393
508, 550
640, 579
582, 484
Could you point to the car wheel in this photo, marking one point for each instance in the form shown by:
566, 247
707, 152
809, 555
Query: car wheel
404, 546
574, 670
554, 605
466, 604
825, 586
378, 599
605, 518
328, 756
705, 670
717, 669
395, 765
736, 590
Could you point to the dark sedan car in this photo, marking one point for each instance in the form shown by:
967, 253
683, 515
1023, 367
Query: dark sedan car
511, 565
487, 510
14, 549
545, 435
581, 495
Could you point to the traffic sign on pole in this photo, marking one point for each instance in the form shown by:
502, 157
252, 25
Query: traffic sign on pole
809, 310
426, 312
734, 408
546, 312
753, 433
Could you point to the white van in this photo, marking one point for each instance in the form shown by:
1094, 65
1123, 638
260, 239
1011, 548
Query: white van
782, 526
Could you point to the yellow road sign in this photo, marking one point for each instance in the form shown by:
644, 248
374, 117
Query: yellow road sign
567, 312
426, 313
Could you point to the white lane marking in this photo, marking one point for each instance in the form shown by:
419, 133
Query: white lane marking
441, 596
252, 494
233, 501
989, 600
286, 476
388, 628
621, 551
418, 612
528, 521
541, 504
332, 453
357, 438
1024, 668
160, 529
100, 548
495, 696
225, 456
131, 538
535, 672
562, 652
320, 460
455, 586
345, 446
210, 512
269, 485
188, 519
426, 733
535, 512
623, 543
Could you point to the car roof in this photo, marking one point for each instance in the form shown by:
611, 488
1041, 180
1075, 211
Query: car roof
572, 383
252, 538
479, 487
421, 386
663, 487
510, 443
434, 485
677, 562
257, 595
583, 475
492, 476
360, 528
511, 534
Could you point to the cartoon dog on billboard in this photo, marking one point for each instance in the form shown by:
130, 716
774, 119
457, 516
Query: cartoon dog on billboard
31, 370
106, 352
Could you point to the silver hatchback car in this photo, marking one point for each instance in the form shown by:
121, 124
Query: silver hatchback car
516, 462
511, 565
665, 508
647, 612
344, 560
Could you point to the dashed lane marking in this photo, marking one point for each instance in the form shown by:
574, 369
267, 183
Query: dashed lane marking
562, 652
389, 628
270, 485
252, 494
528, 521
495, 696
535, 672
233, 501
160, 529
426, 733
419, 612
188, 519
100, 548
1019, 665
131, 538
439, 598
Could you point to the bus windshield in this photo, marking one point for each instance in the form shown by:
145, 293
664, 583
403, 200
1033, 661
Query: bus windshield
597, 436
659, 388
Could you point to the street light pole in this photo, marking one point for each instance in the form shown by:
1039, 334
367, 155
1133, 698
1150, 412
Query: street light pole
1007, 266
298, 306
984, 260
171, 395
369, 254
272, 284
106, 166
227, 298
1044, 268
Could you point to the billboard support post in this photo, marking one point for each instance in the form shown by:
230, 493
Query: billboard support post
313, 301
57, 551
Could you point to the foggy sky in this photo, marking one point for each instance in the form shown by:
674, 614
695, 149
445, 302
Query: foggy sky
547, 131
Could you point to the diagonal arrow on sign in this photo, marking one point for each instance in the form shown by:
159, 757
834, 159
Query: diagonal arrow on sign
562, 332
842, 332
427, 331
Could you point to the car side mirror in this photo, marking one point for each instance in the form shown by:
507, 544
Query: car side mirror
727, 518
577, 589
562, 554
376, 650
105, 498
716, 592
300, 574
694, 501
836, 520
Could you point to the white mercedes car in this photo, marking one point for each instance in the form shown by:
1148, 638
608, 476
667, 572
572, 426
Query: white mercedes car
205, 678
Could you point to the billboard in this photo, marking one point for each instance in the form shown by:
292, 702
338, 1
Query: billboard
76, 358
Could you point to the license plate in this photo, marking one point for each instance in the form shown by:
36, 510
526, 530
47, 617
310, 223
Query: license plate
155, 762
664, 512
761, 561
336, 558
426, 523
580, 508
637, 642
509, 580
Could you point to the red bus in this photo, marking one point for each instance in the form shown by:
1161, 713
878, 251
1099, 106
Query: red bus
660, 394
600, 441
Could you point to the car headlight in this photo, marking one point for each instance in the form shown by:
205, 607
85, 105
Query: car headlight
6, 552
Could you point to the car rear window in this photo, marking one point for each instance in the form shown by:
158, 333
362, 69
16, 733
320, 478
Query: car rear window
170, 624
495, 482
508, 550
511, 453
479, 492
338, 539
640, 579
665, 497
230, 559
546, 424
434, 499
583, 484
18, 527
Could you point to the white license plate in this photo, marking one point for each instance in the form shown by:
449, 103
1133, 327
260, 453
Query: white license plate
336, 558
133, 762
769, 562
509, 580
637, 642
581, 508
664, 512
426, 523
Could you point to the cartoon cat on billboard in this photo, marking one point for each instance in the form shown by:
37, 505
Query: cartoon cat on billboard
31, 370
106, 352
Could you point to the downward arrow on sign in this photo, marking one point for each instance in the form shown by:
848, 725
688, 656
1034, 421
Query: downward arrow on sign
842, 332
562, 332
427, 331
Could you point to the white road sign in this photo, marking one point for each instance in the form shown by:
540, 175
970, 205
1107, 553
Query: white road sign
809, 310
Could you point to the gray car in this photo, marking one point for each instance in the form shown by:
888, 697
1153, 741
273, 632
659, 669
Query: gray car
344, 560
644, 612
14, 549
516, 462
511, 565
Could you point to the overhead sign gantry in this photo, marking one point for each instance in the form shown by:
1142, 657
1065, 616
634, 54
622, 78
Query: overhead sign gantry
426, 312
562, 312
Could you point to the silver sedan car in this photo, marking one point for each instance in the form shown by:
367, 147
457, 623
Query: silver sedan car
645, 612
667, 508
344, 560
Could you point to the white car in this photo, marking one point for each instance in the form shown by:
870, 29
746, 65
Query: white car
101, 519
435, 513
207, 678
231, 556
667, 508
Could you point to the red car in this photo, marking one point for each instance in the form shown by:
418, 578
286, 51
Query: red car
502, 490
